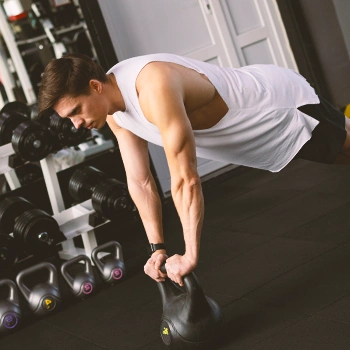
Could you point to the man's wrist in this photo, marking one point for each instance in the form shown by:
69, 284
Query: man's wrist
154, 247
192, 258
159, 251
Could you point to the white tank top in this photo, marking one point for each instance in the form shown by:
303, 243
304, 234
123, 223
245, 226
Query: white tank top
263, 127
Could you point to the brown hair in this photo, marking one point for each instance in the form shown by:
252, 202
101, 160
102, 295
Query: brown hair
67, 76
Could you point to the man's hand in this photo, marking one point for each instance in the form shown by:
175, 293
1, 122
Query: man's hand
152, 267
179, 266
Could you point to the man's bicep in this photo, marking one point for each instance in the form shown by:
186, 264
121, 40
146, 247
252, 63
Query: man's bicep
164, 107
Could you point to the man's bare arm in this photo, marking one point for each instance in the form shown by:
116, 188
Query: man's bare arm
161, 98
141, 184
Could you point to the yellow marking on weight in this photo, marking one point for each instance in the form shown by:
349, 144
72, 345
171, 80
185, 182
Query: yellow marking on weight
166, 331
48, 303
347, 111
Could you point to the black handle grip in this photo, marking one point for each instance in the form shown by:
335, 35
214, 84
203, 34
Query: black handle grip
162, 268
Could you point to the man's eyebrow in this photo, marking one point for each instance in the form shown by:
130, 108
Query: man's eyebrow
73, 111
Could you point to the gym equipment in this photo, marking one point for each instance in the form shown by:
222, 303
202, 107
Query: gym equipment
45, 297
34, 112
83, 283
9, 252
84, 181
66, 133
9, 121
109, 197
36, 230
10, 209
112, 268
10, 312
28, 173
190, 320
30, 140
16, 106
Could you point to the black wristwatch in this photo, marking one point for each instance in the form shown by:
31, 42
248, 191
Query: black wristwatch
153, 247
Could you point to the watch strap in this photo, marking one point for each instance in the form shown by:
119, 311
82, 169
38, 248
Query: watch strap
155, 246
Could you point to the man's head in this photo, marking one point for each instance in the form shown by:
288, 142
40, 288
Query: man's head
71, 82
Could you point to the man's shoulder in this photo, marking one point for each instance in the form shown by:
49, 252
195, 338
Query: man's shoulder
144, 59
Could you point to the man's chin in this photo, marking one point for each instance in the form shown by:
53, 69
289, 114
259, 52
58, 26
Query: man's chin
100, 126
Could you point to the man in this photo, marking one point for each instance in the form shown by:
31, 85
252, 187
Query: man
252, 116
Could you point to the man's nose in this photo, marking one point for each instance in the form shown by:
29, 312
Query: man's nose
77, 122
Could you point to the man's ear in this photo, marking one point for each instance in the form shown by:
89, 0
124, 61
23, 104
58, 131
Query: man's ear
95, 85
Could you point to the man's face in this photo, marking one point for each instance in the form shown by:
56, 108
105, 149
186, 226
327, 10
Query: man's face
84, 111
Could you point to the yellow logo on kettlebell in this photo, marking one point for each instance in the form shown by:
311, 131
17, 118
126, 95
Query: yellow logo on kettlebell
166, 331
48, 303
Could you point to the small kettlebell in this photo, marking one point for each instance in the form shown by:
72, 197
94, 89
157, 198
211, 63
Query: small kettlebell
10, 312
113, 269
190, 320
45, 296
83, 283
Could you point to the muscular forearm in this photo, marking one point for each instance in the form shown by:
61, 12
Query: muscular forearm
188, 199
147, 201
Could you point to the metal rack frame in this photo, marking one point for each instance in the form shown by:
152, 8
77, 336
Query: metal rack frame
73, 221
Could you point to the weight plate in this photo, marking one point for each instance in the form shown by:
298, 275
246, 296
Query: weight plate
34, 111
29, 173
8, 252
111, 199
9, 121
66, 133
37, 230
32, 141
83, 182
16, 106
10, 209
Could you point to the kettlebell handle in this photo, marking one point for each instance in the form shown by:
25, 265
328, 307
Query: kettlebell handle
191, 283
13, 295
64, 267
30, 270
118, 254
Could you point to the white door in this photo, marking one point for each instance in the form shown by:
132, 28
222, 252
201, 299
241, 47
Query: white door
210, 31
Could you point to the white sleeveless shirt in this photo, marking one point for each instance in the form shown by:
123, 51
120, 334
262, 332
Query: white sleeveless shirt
263, 127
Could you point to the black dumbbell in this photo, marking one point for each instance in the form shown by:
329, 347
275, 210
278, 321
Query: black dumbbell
9, 252
109, 197
17, 106
65, 131
62, 128
37, 231
30, 140
28, 173
84, 181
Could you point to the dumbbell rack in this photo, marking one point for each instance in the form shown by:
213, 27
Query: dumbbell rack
5, 152
73, 221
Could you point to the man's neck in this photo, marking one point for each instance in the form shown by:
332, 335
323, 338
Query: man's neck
114, 95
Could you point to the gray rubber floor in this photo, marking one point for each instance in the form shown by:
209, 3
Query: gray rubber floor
275, 255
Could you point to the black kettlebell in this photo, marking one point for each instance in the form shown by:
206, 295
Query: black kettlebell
45, 297
113, 268
83, 283
10, 312
190, 320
